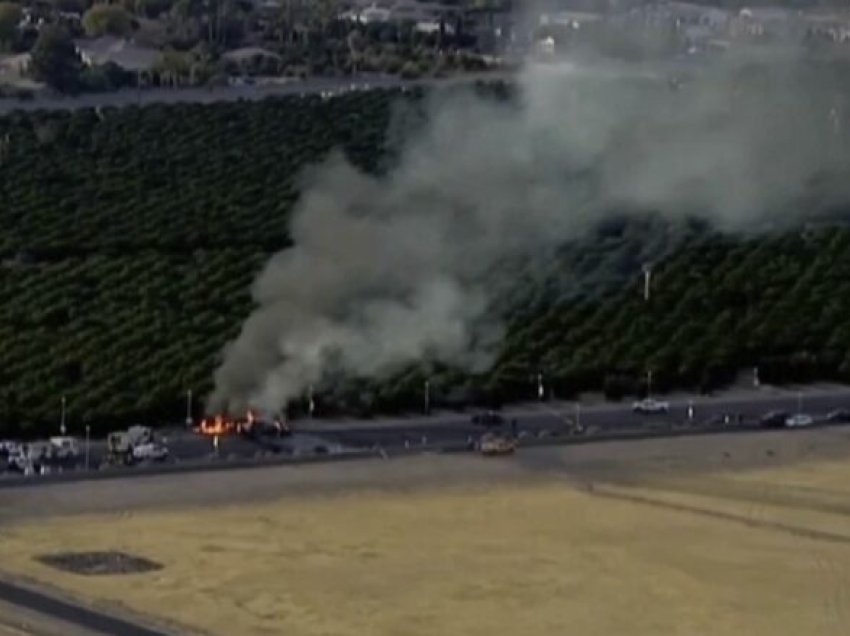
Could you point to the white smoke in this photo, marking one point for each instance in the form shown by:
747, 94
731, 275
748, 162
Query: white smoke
386, 270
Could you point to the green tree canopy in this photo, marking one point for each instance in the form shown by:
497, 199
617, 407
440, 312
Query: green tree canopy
55, 59
107, 19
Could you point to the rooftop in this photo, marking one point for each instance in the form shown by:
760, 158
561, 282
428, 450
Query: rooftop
126, 54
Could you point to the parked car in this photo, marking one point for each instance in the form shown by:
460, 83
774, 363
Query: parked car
799, 419
774, 419
721, 419
839, 416
649, 406
8, 448
149, 451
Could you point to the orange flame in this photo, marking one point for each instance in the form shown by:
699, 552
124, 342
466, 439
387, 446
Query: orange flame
217, 426
222, 425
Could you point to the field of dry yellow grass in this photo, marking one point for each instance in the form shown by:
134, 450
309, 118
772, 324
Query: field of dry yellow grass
763, 551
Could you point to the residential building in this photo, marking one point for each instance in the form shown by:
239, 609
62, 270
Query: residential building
569, 19
128, 55
834, 27
381, 11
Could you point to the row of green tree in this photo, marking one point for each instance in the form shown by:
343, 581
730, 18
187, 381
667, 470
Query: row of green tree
130, 238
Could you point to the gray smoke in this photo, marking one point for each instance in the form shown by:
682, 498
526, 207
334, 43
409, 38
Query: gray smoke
387, 270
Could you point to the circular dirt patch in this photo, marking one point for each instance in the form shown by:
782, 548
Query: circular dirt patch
93, 563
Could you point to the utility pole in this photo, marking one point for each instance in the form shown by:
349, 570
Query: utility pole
578, 417
62, 428
647, 281
540, 391
691, 410
649, 383
88, 438
427, 397
311, 404
189, 408
799, 402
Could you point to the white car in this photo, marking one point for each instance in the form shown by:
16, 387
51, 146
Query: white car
650, 407
150, 451
800, 419
20, 460
8, 447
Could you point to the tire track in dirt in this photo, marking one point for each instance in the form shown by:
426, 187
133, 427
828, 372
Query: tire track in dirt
758, 494
748, 520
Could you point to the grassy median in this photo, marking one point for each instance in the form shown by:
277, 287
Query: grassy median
760, 552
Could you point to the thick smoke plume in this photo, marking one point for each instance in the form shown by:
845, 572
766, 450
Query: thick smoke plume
387, 270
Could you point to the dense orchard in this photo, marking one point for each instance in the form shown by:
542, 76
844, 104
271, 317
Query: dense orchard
130, 237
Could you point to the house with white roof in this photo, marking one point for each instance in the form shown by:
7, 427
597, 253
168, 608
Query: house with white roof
123, 53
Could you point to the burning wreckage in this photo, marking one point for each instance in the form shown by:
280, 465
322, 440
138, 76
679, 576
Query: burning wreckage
266, 433
249, 426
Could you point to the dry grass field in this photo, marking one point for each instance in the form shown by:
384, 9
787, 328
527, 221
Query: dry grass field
759, 549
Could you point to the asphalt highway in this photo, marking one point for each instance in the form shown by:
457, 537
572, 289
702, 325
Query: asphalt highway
535, 421
186, 446
70, 613
604, 418
455, 431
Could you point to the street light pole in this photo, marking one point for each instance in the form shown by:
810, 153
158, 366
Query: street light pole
88, 438
427, 397
649, 383
62, 428
647, 280
540, 391
189, 408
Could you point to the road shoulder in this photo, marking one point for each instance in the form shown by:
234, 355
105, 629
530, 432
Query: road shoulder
35, 609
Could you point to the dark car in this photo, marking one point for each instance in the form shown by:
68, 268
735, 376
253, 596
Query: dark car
263, 429
488, 419
774, 419
721, 419
839, 416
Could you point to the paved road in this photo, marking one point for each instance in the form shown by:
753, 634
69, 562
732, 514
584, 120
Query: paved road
253, 92
68, 612
318, 85
599, 418
454, 431
185, 446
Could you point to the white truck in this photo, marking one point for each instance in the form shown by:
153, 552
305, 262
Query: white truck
65, 447
136, 444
